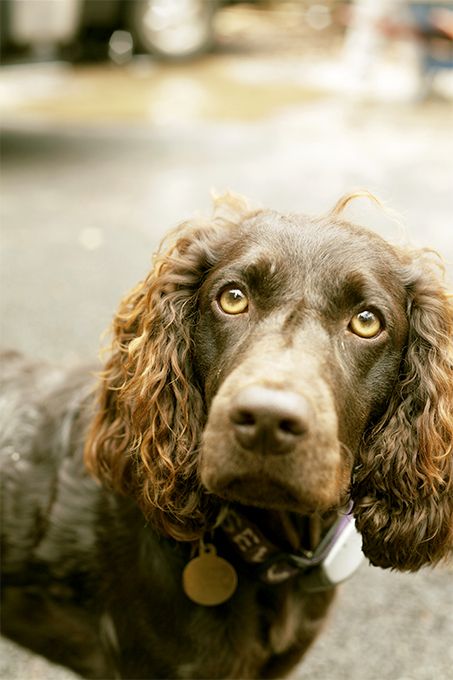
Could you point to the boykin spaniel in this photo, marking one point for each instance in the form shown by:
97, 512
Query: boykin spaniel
273, 376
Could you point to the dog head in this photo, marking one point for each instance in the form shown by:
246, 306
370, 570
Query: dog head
288, 363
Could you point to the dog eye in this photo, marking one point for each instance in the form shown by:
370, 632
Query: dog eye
233, 301
365, 324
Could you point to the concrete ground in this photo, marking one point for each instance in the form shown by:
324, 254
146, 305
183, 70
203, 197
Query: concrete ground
99, 162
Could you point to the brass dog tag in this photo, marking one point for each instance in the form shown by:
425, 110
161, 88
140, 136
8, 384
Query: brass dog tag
209, 579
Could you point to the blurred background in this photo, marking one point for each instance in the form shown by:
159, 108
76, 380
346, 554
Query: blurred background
118, 119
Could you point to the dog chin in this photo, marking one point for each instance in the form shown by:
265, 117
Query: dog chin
262, 493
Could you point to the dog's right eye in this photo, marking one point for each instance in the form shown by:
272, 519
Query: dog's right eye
233, 301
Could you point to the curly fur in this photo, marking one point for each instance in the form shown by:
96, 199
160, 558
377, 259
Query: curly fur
403, 489
373, 422
145, 439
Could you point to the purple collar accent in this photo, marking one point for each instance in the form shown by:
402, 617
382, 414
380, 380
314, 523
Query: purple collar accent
273, 565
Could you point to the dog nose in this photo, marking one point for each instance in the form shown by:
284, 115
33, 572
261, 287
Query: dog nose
268, 420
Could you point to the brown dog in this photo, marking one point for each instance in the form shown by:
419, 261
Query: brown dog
271, 369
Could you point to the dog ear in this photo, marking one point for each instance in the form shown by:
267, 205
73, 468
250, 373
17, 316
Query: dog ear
403, 490
144, 439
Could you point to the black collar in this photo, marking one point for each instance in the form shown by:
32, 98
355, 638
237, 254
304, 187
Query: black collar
274, 566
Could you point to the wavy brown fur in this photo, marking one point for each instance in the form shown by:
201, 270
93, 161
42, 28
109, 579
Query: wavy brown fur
403, 490
284, 410
145, 439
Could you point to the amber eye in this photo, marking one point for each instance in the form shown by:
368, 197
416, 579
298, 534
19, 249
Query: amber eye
233, 301
365, 324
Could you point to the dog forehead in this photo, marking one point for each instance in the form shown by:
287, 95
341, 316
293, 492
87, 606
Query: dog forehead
304, 246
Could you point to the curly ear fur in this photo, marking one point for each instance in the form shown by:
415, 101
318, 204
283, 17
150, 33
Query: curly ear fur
144, 438
403, 490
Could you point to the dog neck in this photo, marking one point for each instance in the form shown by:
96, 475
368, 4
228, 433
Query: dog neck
295, 551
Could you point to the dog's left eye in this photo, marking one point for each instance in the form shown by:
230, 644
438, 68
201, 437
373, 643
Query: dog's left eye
366, 324
233, 301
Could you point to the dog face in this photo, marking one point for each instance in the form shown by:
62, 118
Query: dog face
298, 344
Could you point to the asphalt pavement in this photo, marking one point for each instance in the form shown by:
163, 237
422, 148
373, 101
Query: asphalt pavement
99, 164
